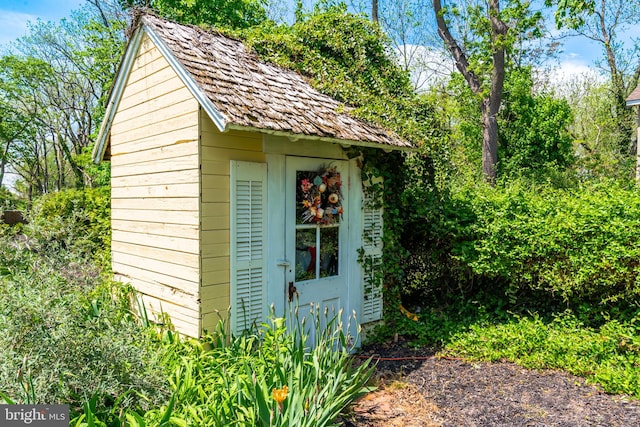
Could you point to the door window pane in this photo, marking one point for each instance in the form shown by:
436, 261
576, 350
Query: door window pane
329, 251
305, 254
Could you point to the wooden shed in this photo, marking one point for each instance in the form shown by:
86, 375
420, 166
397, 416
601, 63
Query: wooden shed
231, 186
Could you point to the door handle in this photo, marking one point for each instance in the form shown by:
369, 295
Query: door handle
292, 291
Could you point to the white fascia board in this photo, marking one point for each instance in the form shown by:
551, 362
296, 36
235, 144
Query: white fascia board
633, 102
343, 142
217, 117
114, 98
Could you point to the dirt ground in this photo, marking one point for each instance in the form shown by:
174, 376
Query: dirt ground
418, 388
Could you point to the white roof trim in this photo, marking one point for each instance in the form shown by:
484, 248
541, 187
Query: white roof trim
633, 102
114, 97
122, 77
217, 117
343, 142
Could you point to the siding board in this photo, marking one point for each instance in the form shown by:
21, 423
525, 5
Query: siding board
160, 254
153, 99
136, 116
135, 272
156, 203
232, 141
213, 153
158, 217
159, 178
164, 292
175, 143
155, 72
164, 267
160, 229
163, 242
168, 191
142, 168
158, 129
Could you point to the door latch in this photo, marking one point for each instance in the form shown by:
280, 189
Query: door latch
292, 291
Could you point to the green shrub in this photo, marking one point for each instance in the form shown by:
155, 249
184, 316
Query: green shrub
75, 221
578, 245
8, 200
68, 336
538, 246
237, 381
275, 376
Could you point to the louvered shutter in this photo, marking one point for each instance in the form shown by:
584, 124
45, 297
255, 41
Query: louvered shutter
248, 244
371, 259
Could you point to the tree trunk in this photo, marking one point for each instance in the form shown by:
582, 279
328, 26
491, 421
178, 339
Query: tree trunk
490, 112
489, 143
374, 10
490, 105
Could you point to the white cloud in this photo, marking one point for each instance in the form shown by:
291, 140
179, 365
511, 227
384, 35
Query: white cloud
427, 65
566, 78
569, 69
13, 25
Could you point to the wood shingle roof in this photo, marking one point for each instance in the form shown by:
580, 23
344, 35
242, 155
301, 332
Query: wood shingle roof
239, 91
250, 93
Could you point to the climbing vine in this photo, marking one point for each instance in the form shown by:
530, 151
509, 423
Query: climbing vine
347, 57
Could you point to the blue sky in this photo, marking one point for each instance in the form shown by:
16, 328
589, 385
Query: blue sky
14, 15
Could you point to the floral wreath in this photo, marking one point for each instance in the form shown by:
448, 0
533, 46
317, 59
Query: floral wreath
320, 196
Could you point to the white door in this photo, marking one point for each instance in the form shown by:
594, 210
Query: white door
316, 238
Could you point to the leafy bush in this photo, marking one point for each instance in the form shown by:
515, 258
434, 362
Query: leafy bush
533, 127
580, 245
76, 222
67, 336
538, 246
8, 200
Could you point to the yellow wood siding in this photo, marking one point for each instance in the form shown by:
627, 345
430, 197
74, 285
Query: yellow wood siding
217, 150
156, 190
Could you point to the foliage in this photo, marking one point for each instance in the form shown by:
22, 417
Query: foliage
597, 136
607, 355
531, 245
221, 14
533, 127
67, 335
8, 200
580, 246
77, 221
268, 377
482, 39
607, 23
55, 80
